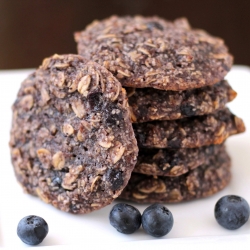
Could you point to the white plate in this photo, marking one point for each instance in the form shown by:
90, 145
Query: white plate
194, 223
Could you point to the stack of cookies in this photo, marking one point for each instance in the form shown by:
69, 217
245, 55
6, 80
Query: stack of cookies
174, 77
72, 141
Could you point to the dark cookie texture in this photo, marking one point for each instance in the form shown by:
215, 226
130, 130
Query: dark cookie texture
189, 132
201, 182
175, 162
151, 104
147, 52
72, 142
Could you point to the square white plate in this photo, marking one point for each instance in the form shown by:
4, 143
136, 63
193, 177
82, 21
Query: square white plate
194, 223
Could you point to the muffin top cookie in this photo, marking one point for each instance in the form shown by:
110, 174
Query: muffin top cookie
151, 52
72, 141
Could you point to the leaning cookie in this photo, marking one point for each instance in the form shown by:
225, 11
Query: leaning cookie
151, 104
190, 132
72, 142
175, 162
201, 182
151, 52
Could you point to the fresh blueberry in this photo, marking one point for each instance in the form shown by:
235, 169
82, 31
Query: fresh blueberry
125, 218
231, 211
157, 220
32, 229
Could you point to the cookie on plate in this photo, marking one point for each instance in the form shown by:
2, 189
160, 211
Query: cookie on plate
72, 142
147, 52
201, 182
174, 162
192, 132
152, 104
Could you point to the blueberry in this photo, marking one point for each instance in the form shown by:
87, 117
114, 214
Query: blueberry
125, 218
32, 229
231, 211
157, 220
155, 25
187, 109
115, 178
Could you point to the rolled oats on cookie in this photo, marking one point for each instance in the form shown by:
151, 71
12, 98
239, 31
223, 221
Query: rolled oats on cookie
150, 104
174, 162
201, 182
192, 132
151, 52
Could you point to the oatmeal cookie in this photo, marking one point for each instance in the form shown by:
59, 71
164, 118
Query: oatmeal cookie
190, 132
152, 52
201, 182
175, 162
72, 141
150, 104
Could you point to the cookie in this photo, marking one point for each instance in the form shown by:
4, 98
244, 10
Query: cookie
192, 132
175, 162
72, 141
201, 182
151, 52
151, 104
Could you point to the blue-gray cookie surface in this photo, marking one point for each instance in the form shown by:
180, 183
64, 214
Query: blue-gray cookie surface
145, 52
72, 142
